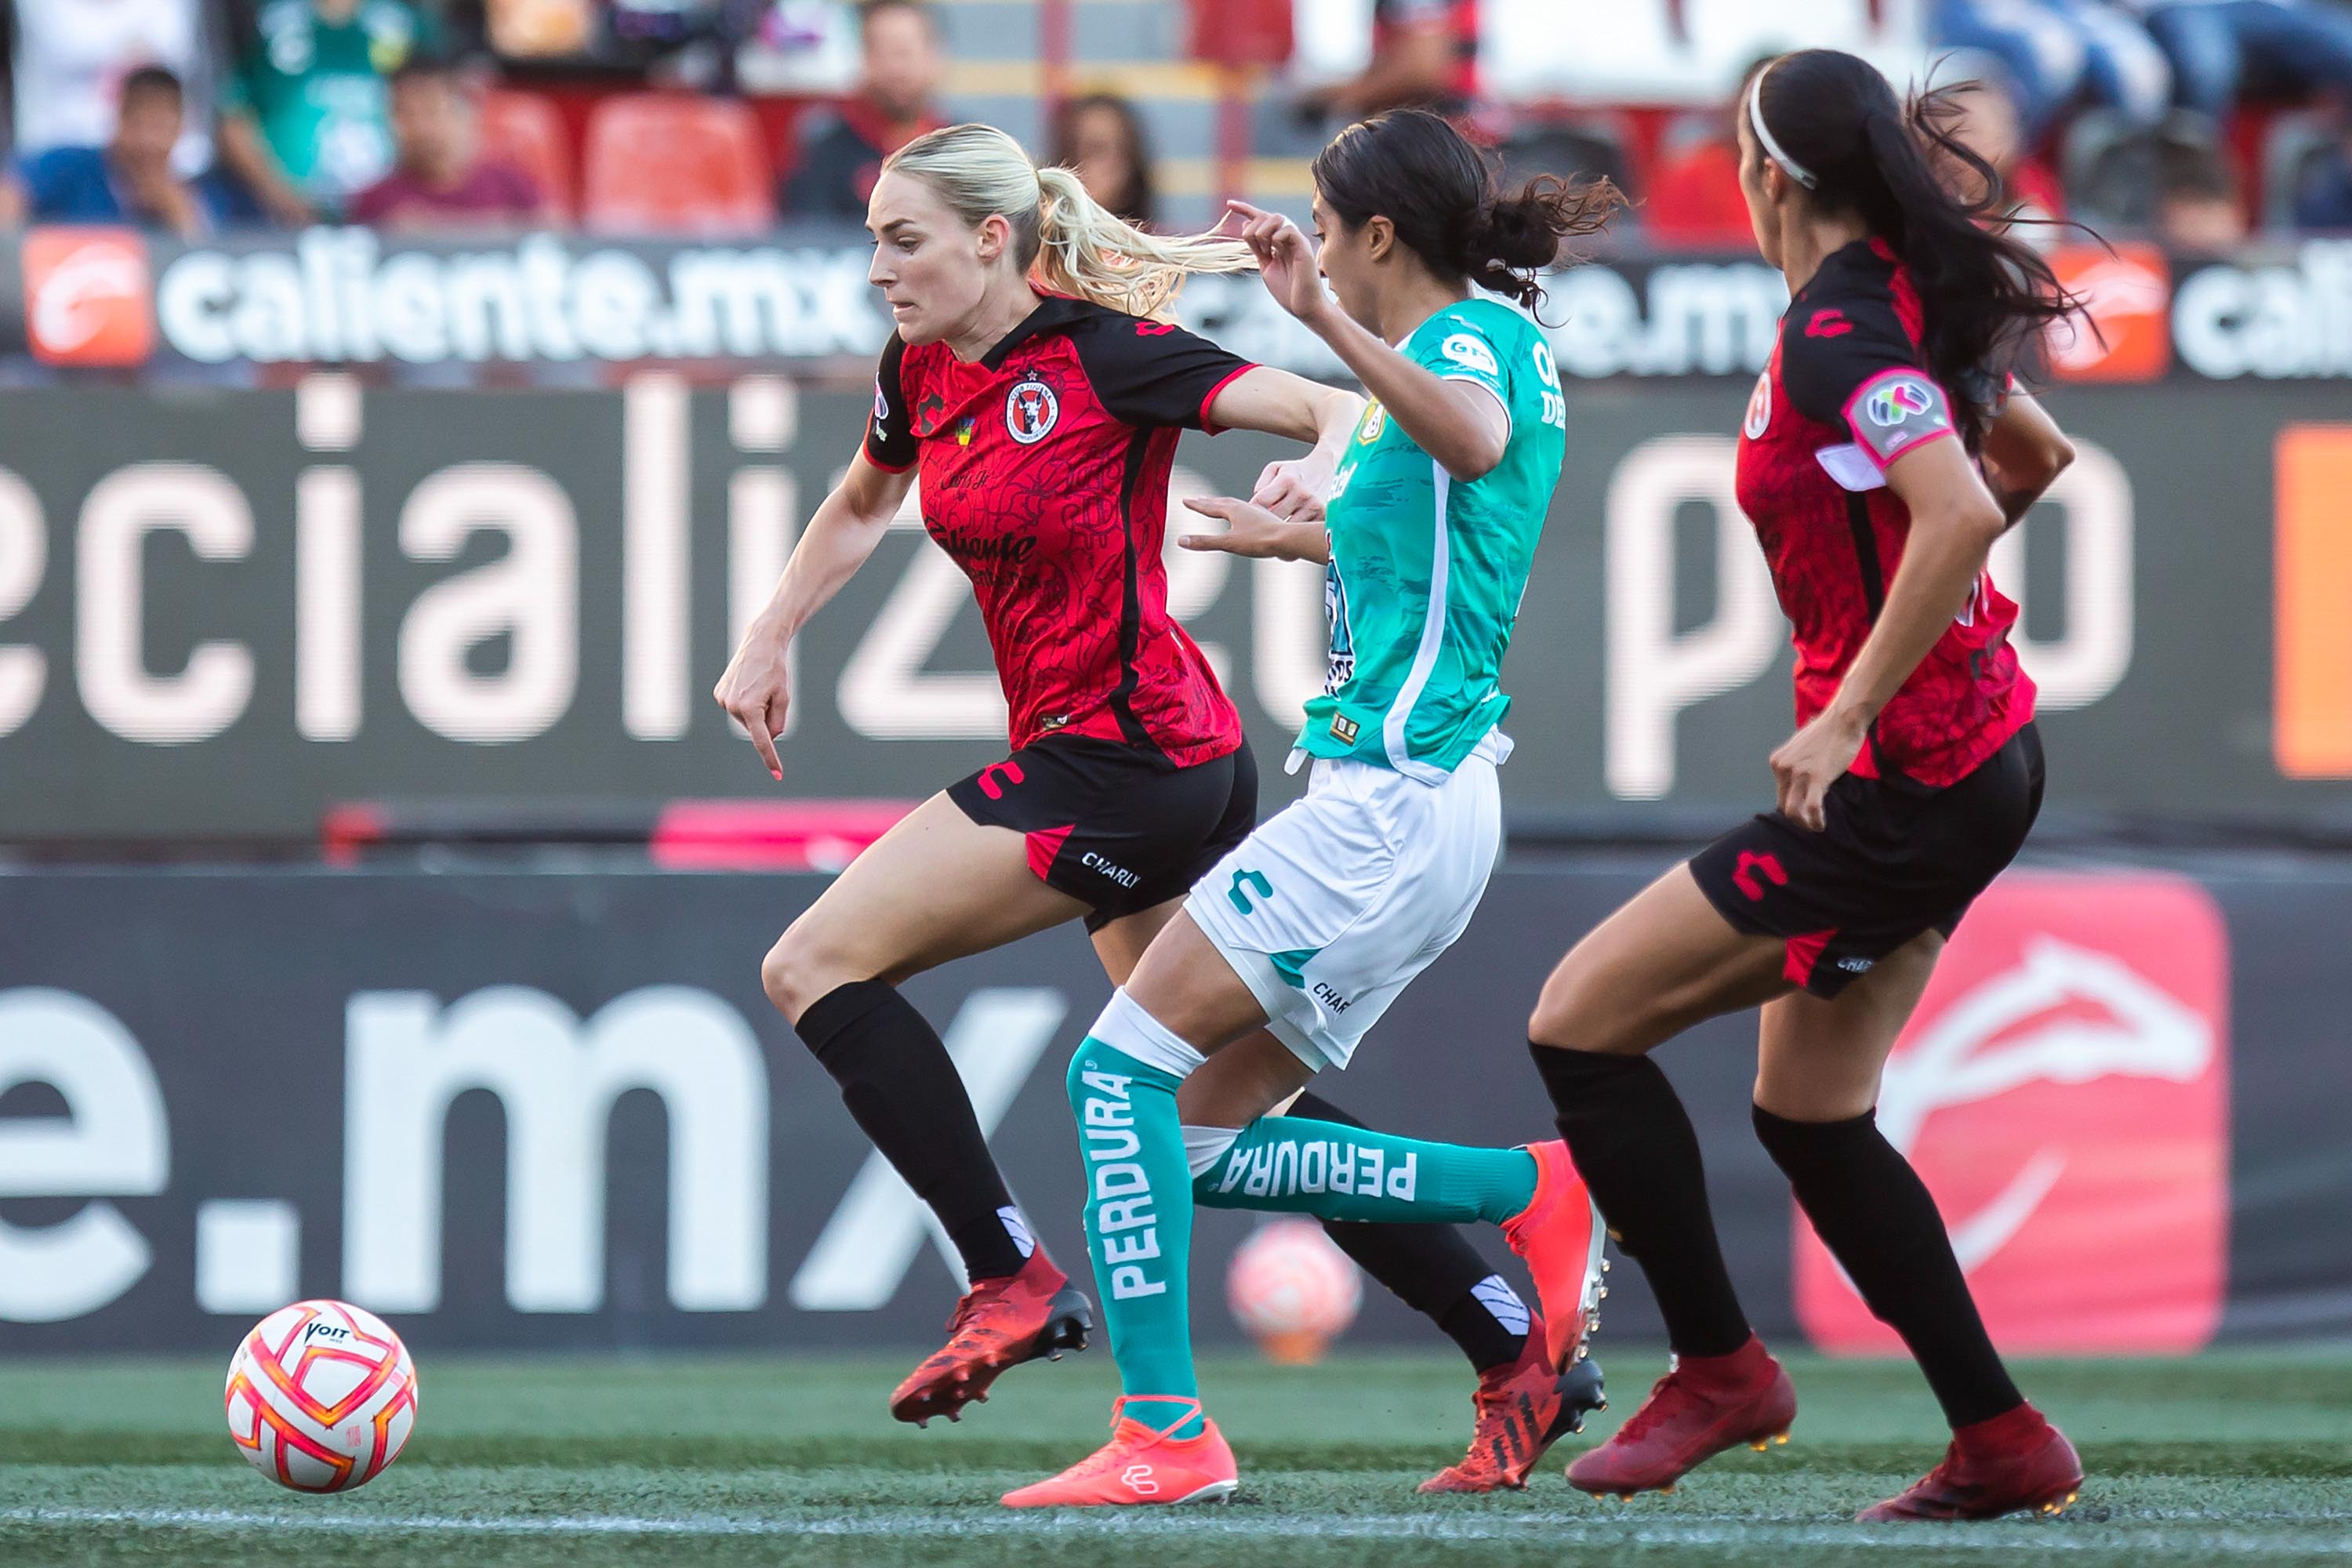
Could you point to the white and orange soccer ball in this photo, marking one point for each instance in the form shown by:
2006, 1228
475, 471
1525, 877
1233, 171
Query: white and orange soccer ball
322, 1397
1292, 1291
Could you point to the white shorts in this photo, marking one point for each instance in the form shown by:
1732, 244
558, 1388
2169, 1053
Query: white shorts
1334, 904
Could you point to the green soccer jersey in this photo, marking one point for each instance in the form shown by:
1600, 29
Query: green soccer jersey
1426, 572
316, 86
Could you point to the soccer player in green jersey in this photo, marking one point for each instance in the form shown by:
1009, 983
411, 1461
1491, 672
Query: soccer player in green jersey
1304, 934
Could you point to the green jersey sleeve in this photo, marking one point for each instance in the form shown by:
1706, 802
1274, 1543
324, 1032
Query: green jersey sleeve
1465, 350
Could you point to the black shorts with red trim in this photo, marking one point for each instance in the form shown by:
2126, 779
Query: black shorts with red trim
1119, 826
1895, 859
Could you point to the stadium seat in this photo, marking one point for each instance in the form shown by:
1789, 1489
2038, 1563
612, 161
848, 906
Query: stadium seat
664, 163
525, 130
2294, 143
1694, 198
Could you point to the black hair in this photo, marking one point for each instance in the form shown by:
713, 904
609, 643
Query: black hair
1986, 296
2194, 172
151, 78
1416, 170
1137, 201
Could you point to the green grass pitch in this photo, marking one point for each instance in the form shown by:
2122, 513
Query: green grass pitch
716, 1462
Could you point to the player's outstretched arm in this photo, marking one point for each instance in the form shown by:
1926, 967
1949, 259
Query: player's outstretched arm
1954, 521
1463, 426
1282, 404
1257, 532
848, 524
2024, 452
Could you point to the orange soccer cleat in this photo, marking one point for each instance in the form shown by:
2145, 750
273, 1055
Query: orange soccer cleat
1560, 1234
2014, 1462
999, 1324
1140, 1465
1523, 1408
1704, 1406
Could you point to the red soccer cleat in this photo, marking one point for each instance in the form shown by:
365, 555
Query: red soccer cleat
1560, 1234
2014, 1462
1140, 1465
1704, 1406
1523, 1408
997, 1326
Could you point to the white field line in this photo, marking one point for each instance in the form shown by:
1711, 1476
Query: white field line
1726, 1530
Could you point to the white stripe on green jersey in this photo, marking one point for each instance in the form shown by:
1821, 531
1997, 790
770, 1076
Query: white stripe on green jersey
1427, 573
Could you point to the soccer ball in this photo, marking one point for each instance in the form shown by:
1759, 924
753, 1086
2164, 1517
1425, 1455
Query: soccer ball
322, 1397
1292, 1291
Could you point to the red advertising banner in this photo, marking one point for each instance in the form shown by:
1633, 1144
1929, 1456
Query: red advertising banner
2064, 1091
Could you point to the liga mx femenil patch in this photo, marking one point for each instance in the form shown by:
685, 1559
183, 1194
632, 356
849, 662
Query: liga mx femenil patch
1897, 410
2063, 1091
1030, 410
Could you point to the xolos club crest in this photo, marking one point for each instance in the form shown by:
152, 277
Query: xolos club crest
1030, 410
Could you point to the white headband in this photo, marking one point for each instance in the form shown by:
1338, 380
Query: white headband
1764, 138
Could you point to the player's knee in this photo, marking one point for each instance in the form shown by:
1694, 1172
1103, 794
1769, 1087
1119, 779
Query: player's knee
1573, 1014
797, 971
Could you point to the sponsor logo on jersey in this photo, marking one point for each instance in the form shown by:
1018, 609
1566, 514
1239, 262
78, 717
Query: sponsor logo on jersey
1759, 408
2063, 1088
881, 404
2123, 333
963, 429
1465, 350
1030, 410
88, 298
1154, 329
1345, 730
1828, 322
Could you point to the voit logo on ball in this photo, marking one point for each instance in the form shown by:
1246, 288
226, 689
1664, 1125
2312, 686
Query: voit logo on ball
2062, 1090
88, 299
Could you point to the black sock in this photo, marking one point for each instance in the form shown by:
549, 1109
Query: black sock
1876, 1217
902, 1087
1431, 1268
1632, 1144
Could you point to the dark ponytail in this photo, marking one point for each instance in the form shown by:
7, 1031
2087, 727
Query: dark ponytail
1414, 169
1986, 297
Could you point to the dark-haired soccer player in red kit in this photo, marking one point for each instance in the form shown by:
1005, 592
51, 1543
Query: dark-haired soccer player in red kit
1880, 458
1043, 417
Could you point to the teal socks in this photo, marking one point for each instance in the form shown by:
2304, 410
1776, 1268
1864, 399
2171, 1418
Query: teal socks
1334, 1172
1138, 1214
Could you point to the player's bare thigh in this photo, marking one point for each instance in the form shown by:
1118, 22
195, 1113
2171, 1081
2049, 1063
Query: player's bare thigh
1253, 1076
1665, 961
935, 887
1822, 1061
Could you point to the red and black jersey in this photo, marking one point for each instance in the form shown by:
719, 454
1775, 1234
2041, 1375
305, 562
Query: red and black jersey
1045, 476
1846, 394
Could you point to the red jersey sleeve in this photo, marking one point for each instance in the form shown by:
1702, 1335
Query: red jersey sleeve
1850, 363
890, 433
1154, 375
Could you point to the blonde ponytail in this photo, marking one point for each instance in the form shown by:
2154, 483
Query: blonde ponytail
1065, 240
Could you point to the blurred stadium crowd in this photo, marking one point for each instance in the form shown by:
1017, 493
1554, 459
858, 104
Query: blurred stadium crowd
2196, 122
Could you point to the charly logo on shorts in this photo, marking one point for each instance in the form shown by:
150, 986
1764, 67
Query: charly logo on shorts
1030, 410
1900, 400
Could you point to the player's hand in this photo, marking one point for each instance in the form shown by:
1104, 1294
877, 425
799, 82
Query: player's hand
1284, 261
1256, 533
756, 691
1811, 760
1294, 489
